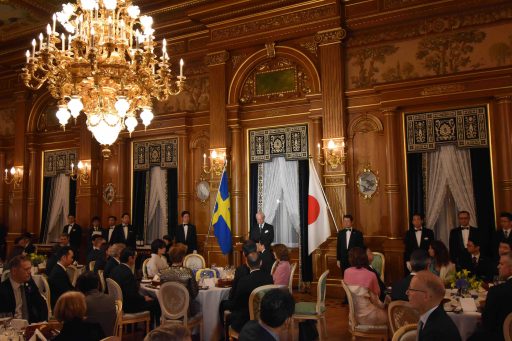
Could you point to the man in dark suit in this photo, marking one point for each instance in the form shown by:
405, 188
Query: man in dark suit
255, 279
186, 233
109, 231
459, 237
267, 258
276, 309
498, 304
348, 238
74, 232
59, 280
419, 262
417, 237
503, 234
19, 247
133, 301
97, 250
114, 259
94, 230
426, 292
125, 233
479, 265
19, 294
262, 233
29, 248
53, 259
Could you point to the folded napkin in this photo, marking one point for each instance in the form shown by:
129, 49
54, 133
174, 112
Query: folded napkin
468, 304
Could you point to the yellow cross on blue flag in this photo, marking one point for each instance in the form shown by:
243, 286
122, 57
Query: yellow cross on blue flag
221, 219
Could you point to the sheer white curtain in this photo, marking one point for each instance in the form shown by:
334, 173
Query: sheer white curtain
58, 208
449, 175
281, 199
157, 204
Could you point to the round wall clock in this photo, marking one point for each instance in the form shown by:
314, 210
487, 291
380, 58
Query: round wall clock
367, 183
203, 190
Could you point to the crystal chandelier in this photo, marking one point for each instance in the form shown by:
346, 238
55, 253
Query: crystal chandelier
104, 65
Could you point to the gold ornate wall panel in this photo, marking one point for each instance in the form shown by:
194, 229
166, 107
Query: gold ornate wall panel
290, 142
163, 153
59, 161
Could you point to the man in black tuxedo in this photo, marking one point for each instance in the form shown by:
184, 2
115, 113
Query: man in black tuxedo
255, 279
114, 259
459, 237
426, 292
108, 233
53, 259
262, 232
276, 309
29, 247
19, 294
267, 258
479, 265
348, 238
133, 301
97, 250
74, 232
503, 234
417, 237
19, 247
498, 304
94, 230
186, 233
59, 280
419, 262
125, 233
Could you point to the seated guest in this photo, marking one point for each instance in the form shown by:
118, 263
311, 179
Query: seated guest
19, 247
168, 243
459, 236
133, 302
52, 260
283, 269
382, 286
267, 257
114, 255
158, 261
59, 280
364, 288
478, 264
419, 261
426, 293
70, 310
503, 248
503, 234
29, 248
276, 309
180, 274
94, 230
440, 264
186, 233
169, 332
417, 237
498, 304
101, 308
19, 294
255, 279
97, 251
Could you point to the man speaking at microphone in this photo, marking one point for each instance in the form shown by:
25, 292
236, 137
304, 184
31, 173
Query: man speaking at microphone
262, 232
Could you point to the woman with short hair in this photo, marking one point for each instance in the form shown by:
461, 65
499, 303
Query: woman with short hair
283, 269
158, 262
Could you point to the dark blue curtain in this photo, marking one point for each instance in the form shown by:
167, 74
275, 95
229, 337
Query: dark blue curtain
253, 193
415, 184
47, 193
139, 202
72, 197
172, 202
306, 259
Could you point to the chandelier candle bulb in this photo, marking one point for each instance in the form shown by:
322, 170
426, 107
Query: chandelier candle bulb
13, 170
318, 146
72, 166
63, 39
27, 54
33, 47
181, 67
54, 17
40, 41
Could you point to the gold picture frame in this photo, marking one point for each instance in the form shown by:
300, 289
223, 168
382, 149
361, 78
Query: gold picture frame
367, 182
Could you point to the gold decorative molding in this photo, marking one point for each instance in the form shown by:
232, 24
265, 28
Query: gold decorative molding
388, 4
391, 188
442, 89
310, 46
335, 180
275, 22
504, 99
271, 49
237, 59
332, 36
506, 185
216, 58
365, 123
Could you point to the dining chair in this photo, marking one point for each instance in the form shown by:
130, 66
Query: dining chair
313, 310
115, 291
290, 281
5, 275
111, 338
205, 273
91, 265
400, 313
256, 297
44, 289
379, 264
274, 266
406, 333
507, 328
194, 261
362, 330
174, 302
72, 272
145, 268
119, 314
102, 281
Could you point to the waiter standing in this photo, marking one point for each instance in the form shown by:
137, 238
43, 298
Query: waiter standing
262, 233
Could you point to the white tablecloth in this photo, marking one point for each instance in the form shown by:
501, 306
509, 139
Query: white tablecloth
466, 323
210, 301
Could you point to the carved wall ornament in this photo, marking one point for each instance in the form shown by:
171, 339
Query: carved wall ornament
331, 36
389, 4
275, 79
365, 123
237, 59
276, 22
59, 161
310, 46
109, 193
465, 127
216, 58
271, 49
163, 153
442, 89
290, 142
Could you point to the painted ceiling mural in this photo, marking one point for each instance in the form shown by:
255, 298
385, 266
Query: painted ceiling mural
431, 55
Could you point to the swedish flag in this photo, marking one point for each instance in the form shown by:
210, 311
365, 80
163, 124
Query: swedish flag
221, 219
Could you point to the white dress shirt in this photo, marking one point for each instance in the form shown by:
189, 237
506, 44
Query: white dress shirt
465, 236
125, 230
110, 230
18, 311
418, 236
347, 236
185, 231
70, 227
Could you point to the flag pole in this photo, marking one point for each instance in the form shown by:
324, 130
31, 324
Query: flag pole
213, 209
325, 197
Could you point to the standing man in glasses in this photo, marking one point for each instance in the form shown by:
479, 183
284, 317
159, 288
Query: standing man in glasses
262, 233
459, 237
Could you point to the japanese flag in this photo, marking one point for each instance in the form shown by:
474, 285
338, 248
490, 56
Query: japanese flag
318, 220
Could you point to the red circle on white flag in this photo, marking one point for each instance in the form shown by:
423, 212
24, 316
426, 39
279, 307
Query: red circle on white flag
313, 209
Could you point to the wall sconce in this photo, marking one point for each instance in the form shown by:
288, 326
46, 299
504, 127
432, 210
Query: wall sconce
334, 153
217, 161
80, 172
14, 176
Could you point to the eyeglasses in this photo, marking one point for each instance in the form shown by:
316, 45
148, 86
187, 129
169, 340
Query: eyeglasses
411, 289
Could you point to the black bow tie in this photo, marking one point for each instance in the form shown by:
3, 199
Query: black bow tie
464, 228
417, 230
348, 229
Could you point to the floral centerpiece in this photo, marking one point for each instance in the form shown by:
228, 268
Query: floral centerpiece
36, 259
463, 282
